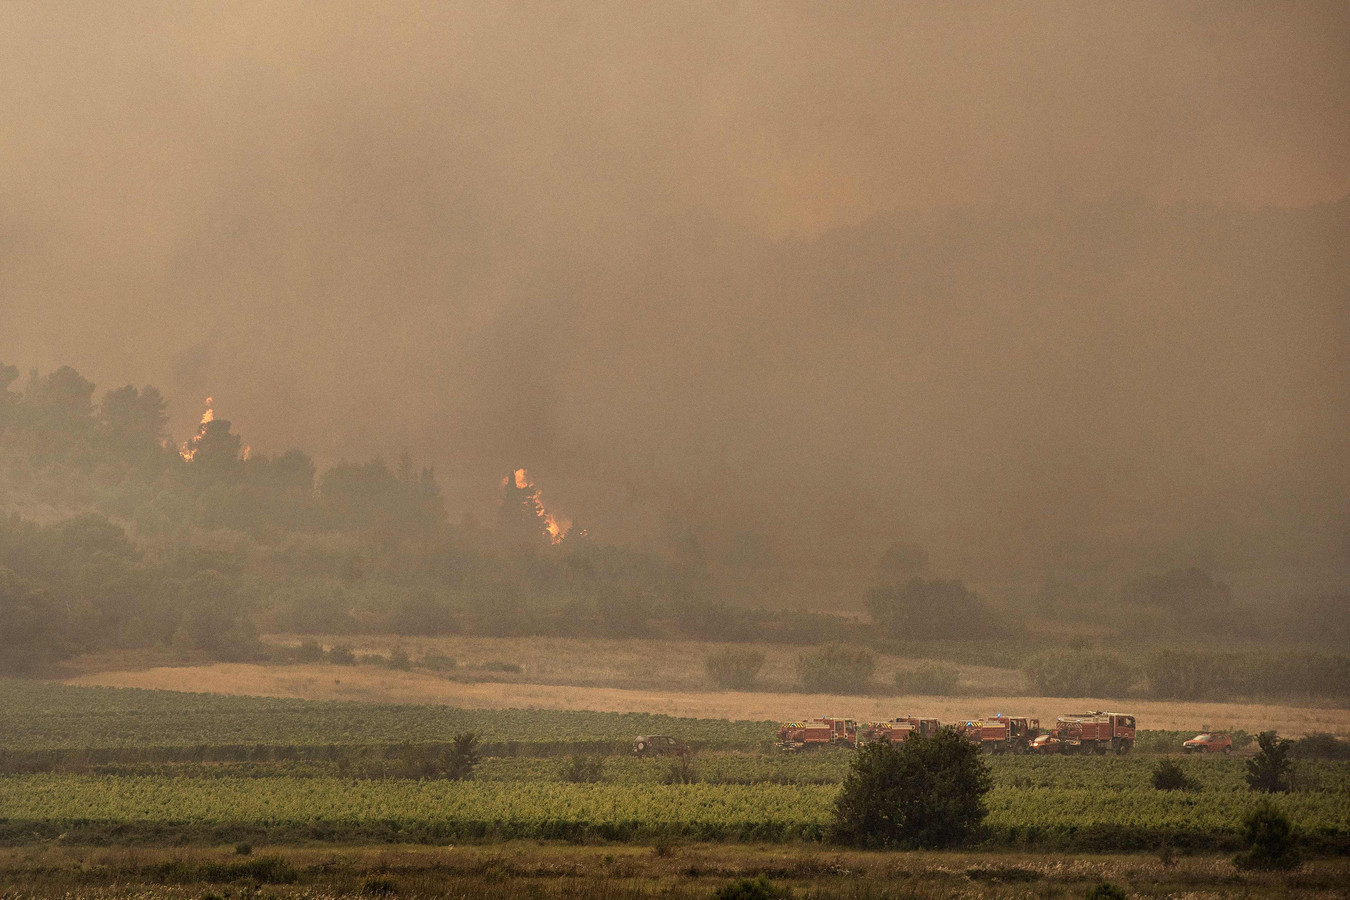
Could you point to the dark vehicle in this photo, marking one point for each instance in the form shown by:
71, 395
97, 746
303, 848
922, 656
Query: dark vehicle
659, 745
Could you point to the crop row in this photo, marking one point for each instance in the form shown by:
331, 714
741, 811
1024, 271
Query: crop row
441, 810
44, 716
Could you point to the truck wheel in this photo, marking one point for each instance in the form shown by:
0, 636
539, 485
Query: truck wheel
641, 747
1101, 749
1227, 750
1123, 748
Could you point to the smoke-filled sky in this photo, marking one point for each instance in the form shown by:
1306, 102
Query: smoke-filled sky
1025, 282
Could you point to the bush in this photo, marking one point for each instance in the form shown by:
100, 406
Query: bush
584, 769
1268, 770
926, 792
1079, 673
681, 771
1105, 890
1269, 840
309, 652
399, 659
734, 668
342, 656
1319, 745
934, 678
836, 669
1168, 775
438, 662
760, 888
462, 757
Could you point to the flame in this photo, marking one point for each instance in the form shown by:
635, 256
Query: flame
188, 449
558, 525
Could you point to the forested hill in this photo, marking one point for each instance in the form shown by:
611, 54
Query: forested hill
114, 537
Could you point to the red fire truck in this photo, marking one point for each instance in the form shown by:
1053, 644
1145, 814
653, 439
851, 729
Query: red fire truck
823, 732
1094, 732
897, 730
1002, 734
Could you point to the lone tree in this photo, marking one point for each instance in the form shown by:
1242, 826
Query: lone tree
462, 756
925, 792
1268, 770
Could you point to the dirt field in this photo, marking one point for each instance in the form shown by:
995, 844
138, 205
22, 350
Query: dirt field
367, 683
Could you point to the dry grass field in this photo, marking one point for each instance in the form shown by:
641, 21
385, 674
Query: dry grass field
637, 663
374, 684
539, 869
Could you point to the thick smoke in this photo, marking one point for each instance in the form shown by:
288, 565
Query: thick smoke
1032, 284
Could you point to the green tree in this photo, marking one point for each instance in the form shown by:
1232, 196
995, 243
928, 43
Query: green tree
921, 609
836, 669
1268, 770
462, 756
9, 400
131, 422
1269, 840
925, 792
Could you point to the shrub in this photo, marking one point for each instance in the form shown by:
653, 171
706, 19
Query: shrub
1105, 890
760, 888
1268, 770
399, 659
836, 669
342, 655
925, 792
1079, 673
734, 667
1269, 840
438, 662
462, 757
681, 771
933, 678
1319, 745
1169, 776
309, 652
584, 769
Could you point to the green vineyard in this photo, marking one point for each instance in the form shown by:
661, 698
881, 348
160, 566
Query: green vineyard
1026, 806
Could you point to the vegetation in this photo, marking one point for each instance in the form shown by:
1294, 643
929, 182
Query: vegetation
1268, 770
932, 678
1079, 673
836, 669
924, 792
734, 668
1168, 775
921, 609
1268, 840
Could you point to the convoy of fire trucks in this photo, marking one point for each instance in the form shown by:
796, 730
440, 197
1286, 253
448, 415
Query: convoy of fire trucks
1093, 732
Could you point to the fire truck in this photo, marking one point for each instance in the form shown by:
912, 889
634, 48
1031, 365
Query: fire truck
1002, 734
823, 732
897, 730
1094, 732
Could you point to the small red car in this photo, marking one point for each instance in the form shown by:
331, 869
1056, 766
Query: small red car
1209, 742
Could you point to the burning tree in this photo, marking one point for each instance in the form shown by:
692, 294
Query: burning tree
524, 514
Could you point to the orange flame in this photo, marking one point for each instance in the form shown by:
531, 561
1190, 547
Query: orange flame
558, 525
188, 449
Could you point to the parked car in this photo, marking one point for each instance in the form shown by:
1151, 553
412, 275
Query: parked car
1209, 742
659, 745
